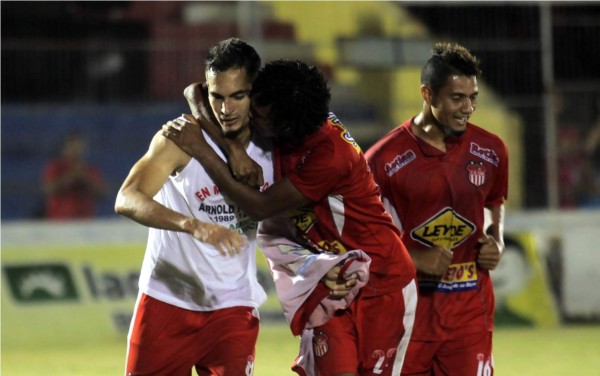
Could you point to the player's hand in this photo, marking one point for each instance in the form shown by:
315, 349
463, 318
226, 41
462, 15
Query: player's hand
226, 241
337, 285
196, 95
434, 260
490, 252
186, 133
245, 169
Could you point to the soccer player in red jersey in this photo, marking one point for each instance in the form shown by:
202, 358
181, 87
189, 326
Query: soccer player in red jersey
323, 184
438, 174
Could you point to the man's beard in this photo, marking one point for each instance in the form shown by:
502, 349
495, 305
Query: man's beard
232, 134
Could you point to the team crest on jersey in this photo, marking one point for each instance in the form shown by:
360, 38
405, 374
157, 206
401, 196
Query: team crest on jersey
399, 162
476, 172
346, 136
485, 154
447, 228
320, 343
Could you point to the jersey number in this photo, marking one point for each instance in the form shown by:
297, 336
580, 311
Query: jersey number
381, 359
484, 367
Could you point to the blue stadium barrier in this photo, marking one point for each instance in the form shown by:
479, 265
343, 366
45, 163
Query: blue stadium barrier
117, 135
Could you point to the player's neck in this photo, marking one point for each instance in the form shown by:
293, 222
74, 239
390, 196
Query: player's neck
426, 128
242, 136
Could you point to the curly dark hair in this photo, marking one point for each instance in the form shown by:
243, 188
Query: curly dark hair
297, 95
448, 60
233, 53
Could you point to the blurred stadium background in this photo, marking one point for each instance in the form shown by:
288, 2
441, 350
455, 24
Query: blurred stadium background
114, 72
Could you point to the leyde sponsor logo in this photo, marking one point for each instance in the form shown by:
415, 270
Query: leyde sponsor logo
41, 283
446, 228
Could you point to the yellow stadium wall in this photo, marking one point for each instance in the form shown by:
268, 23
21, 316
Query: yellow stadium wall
320, 23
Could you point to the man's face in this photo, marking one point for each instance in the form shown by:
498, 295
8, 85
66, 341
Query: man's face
455, 102
229, 98
262, 124
261, 121
74, 149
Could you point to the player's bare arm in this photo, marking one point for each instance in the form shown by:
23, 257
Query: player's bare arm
433, 260
492, 244
244, 169
277, 199
147, 176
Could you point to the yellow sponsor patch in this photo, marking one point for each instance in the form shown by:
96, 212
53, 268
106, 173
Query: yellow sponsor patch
458, 277
334, 247
346, 136
463, 272
303, 218
447, 229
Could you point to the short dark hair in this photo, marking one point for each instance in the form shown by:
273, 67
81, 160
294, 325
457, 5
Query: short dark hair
298, 97
233, 53
448, 60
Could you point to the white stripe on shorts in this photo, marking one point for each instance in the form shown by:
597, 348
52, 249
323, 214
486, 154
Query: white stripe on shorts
409, 292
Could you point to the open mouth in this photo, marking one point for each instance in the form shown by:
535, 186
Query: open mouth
461, 121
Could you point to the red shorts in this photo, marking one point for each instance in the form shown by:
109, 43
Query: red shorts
168, 340
369, 338
468, 355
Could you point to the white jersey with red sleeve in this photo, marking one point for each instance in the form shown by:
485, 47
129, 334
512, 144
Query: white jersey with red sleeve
183, 271
438, 198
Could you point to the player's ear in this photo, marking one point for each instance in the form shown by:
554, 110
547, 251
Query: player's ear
426, 93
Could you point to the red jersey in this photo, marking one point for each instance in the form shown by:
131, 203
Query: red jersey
76, 200
437, 198
346, 213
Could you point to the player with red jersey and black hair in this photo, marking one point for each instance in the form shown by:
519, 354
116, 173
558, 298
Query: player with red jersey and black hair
323, 184
438, 174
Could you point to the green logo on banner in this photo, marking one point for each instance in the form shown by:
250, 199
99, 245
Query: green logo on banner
41, 283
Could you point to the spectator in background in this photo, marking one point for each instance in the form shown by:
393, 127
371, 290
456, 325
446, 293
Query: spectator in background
592, 178
577, 147
570, 156
70, 184
573, 167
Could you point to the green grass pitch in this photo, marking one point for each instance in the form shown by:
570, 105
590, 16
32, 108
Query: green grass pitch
569, 350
